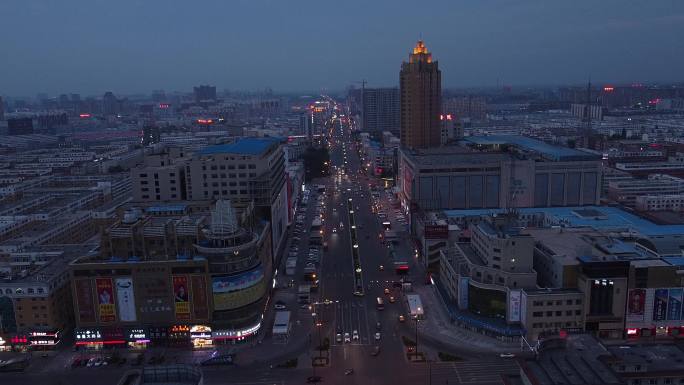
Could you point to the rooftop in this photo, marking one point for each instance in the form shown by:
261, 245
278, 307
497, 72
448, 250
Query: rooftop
596, 217
242, 146
551, 152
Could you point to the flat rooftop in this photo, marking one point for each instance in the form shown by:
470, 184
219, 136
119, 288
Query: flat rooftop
655, 358
596, 217
551, 152
242, 146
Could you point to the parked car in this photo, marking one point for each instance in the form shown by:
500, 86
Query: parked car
355, 335
377, 336
347, 338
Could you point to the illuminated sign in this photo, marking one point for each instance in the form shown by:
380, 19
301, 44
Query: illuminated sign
180, 329
84, 116
632, 331
200, 332
163, 105
205, 121
608, 89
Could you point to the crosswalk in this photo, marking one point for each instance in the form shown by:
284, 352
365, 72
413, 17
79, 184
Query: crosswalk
471, 372
352, 315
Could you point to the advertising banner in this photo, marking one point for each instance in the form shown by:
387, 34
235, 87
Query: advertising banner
200, 308
180, 297
514, 306
234, 291
636, 300
674, 304
660, 305
84, 300
463, 293
125, 299
105, 299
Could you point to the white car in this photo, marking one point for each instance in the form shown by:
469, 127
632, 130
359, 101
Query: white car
355, 335
507, 355
346, 337
279, 306
334, 229
377, 336
338, 337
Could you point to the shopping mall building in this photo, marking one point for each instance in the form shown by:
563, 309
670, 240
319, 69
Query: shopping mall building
167, 279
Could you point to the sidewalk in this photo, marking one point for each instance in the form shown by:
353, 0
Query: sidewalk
438, 329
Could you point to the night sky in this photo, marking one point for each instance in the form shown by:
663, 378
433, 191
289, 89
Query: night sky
129, 46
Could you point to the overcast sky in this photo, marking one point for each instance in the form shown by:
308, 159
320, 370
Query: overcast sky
130, 46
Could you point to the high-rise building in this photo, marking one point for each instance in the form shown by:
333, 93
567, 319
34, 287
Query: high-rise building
110, 104
381, 110
204, 92
420, 82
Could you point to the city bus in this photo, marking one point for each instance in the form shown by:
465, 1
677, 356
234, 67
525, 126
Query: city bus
380, 304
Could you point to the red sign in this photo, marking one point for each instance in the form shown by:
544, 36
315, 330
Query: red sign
180, 297
436, 232
200, 307
105, 299
84, 300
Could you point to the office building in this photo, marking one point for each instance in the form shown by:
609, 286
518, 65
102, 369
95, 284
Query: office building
110, 104
420, 85
204, 92
626, 192
381, 110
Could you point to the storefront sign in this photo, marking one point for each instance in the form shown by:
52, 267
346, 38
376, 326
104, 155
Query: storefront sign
180, 297
105, 299
125, 299
199, 297
137, 334
236, 334
235, 291
88, 336
84, 300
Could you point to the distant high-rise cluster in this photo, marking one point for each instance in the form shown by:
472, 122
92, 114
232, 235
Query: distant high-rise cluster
421, 91
204, 92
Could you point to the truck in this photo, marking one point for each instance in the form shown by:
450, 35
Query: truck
291, 266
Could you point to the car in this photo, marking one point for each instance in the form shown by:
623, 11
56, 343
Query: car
402, 318
387, 291
378, 325
391, 299
347, 338
279, 306
377, 336
507, 355
314, 379
338, 337
355, 335
90, 362
334, 229
382, 267
98, 362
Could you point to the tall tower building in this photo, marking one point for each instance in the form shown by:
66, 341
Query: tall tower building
420, 84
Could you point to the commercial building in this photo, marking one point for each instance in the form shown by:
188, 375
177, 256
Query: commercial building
420, 85
381, 110
173, 279
497, 171
650, 203
627, 191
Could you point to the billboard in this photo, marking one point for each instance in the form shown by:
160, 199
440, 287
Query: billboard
105, 299
660, 305
636, 300
514, 305
181, 297
674, 304
84, 300
234, 291
125, 299
523, 308
463, 292
199, 297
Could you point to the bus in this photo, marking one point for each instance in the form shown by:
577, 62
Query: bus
380, 304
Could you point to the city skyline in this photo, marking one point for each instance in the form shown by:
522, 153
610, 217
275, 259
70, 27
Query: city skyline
89, 48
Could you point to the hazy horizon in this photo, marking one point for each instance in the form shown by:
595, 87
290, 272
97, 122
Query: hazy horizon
134, 46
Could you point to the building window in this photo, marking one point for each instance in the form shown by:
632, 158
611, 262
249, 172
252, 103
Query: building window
538, 314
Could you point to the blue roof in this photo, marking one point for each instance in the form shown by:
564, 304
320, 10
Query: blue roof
675, 261
601, 218
166, 208
557, 153
242, 146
